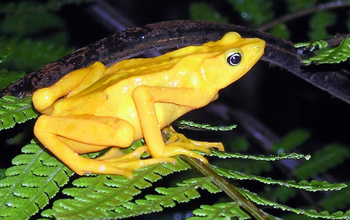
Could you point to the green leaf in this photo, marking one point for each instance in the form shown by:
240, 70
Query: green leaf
319, 23
29, 55
183, 124
30, 22
291, 141
314, 185
323, 159
337, 54
281, 31
15, 110
256, 12
282, 156
205, 12
296, 5
336, 200
167, 197
9, 77
228, 210
311, 213
99, 195
31, 182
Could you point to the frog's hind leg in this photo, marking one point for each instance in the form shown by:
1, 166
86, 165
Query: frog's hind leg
68, 85
56, 134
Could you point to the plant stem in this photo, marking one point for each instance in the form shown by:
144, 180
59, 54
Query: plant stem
229, 189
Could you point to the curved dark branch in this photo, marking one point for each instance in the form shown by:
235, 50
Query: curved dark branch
174, 34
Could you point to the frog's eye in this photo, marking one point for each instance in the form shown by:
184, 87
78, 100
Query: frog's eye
234, 59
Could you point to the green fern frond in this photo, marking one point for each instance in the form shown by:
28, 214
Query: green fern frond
99, 196
15, 110
336, 200
28, 186
314, 185
292, 140
322, 160
319, 24
204, 11
29, 55
333, 55
8, 77
282, 156
190, 125
256, 12
167, 197
310, 213
227, 210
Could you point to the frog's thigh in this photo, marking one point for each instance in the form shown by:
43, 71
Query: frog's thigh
44, 98
102, 131
48, 129
144, 98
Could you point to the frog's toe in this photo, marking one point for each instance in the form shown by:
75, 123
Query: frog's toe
198, 145
180, 148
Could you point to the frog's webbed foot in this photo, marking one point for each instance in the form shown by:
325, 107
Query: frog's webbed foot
178, 144
198, 145
131, 161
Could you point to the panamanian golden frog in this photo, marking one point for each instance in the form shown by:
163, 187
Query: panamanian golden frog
95, 108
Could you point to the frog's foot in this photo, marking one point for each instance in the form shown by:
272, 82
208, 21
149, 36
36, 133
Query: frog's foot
130, 162
115, 155
198, 145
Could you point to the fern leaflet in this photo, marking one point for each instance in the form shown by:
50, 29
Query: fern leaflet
322, 160
182, 193
314, 185
336, 200
15, 110
334, 55
99, 195
227, 210
29, 185
282, 156
311, 213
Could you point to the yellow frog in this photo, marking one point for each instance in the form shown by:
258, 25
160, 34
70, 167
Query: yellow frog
95, 108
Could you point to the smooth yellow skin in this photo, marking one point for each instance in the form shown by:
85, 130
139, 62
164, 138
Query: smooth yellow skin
94, 108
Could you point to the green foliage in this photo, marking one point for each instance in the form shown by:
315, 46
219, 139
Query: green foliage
32, 35
29, 54
227, 210
336, 200
294, 6
8, 77
190, 125
282, 156
310, 213
323, 160
331, 55
203, 11
35, 178
14, 110
319, 24
314, 185
291, 140
256, 12
108, 195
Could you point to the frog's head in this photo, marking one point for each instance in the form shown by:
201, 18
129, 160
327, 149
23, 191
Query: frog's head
234, 57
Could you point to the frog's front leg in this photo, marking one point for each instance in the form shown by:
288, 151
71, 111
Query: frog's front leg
145, 98
55, 133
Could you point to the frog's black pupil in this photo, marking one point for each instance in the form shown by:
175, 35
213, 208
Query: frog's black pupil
234, 59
